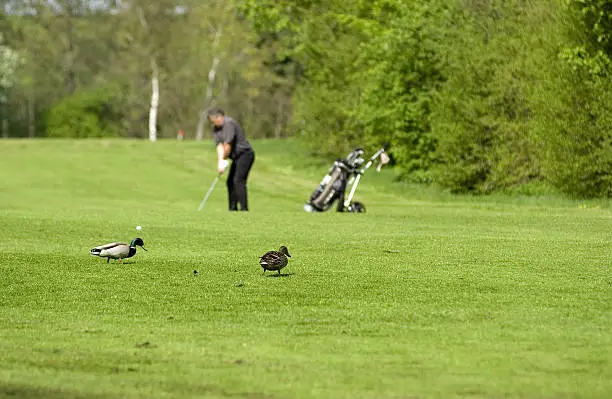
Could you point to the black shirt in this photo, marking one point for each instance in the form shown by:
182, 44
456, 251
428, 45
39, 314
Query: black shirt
231, 132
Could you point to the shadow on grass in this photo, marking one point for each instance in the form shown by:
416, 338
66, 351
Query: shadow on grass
125, 262
23, 391
279, 275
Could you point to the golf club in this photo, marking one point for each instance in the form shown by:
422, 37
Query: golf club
208, 192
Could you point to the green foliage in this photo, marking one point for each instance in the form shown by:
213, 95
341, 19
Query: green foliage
9, 63
576, 118
596, 19
79, 45
482, 112
323, 103
590, 37
579, 149
368, 72
401, 69
93, 113
474, 95
461, 89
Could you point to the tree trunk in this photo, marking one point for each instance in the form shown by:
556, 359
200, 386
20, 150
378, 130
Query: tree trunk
31, 117
154, 82
154, 101
208, 98
4, 111
70, 50
5, 127
280, 116
250, 116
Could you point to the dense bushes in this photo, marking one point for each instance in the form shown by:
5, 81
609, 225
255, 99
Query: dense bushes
476, 96
483, 111
93, 113
576, 122
404, 69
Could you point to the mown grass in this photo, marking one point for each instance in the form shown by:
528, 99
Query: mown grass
426, 295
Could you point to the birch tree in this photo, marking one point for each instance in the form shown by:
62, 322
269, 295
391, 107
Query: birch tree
212, 73
219, 15
144, 32
242, 72
154, 79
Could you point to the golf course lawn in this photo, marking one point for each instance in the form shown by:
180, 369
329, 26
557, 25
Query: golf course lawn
426, 295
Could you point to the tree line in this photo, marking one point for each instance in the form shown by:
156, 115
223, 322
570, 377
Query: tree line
140, 68
473, 95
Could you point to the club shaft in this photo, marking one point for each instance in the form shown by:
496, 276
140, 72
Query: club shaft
208, 193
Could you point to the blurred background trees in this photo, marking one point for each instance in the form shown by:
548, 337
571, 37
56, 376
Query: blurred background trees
473, 95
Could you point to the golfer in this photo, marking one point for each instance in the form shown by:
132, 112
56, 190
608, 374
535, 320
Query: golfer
231, 143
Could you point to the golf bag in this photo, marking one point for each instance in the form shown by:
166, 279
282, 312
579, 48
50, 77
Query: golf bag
344, 175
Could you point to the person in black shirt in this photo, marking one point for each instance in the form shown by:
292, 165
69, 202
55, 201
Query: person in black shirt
231, 143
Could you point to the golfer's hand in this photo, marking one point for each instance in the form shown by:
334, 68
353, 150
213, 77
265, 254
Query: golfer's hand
222, 165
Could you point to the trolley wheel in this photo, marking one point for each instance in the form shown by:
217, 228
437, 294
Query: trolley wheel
356, 207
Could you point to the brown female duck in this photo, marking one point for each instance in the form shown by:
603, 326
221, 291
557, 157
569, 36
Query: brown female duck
275, 260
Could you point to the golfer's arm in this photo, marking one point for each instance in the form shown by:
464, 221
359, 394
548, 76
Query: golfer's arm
223, 150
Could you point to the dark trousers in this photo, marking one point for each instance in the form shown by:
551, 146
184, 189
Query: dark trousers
237, 179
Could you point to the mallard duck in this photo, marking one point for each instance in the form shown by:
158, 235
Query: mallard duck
275, 260
117, 250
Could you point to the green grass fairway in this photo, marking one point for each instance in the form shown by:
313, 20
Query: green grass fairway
424, 296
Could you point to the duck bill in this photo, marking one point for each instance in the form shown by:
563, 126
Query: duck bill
144, 248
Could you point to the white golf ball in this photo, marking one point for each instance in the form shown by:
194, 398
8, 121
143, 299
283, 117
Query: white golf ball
138, 227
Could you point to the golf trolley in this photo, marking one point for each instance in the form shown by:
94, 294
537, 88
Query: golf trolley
344, 174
